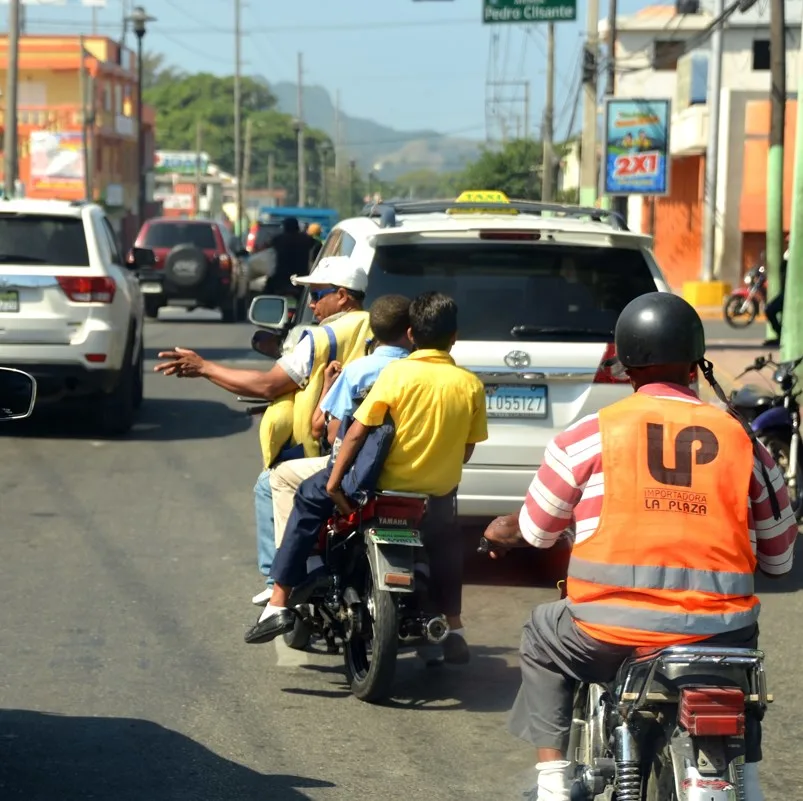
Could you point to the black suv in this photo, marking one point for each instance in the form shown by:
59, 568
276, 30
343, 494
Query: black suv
195, 267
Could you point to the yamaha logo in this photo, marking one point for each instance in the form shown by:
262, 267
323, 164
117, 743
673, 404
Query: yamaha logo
517, 358
392, 521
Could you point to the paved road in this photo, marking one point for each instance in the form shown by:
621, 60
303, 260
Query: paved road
128, 566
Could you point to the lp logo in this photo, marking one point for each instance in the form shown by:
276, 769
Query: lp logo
680, 475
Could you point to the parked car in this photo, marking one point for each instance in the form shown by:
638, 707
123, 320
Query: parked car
194, 268
539, 288
71, 311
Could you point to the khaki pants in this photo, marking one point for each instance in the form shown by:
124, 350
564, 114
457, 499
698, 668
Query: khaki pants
284, 481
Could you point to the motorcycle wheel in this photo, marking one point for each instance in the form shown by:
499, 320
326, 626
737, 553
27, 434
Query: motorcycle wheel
661, 781
736, 319
778, 447
300, 636
371, 675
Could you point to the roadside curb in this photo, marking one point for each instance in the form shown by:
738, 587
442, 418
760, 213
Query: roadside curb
715, 313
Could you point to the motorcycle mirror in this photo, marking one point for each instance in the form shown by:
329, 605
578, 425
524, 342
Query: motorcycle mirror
269, 311
17, 394
267, 344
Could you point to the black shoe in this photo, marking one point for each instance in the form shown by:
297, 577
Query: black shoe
270, 628
455, 650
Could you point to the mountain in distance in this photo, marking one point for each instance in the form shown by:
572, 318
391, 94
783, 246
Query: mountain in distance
370, 143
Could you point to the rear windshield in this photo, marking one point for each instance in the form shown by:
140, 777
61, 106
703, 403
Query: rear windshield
266, 234
38, 239
514, 291
168, 235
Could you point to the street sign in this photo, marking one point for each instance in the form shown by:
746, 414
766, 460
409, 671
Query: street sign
529, 11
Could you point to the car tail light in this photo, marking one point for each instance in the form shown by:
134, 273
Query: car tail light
82, 289
224, 261
610, 371
712, 711
511, 236
251, 239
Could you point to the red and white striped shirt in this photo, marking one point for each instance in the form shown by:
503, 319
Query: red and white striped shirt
568, 488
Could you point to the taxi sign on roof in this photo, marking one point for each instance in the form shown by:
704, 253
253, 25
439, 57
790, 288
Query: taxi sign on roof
481, 196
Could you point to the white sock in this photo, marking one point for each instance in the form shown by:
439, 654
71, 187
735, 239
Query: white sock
752, 786
270, 611
553, 781
461, 632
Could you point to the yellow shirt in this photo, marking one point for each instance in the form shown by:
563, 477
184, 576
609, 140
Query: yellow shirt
438, 409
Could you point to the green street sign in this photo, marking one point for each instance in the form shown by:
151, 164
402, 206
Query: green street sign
529, 11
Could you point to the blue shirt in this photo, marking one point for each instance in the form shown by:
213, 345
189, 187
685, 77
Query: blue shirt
357, 378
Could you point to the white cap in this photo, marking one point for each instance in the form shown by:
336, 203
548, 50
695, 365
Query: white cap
341, 271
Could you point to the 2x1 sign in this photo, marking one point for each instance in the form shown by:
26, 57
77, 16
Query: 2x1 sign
636, 147
529, 10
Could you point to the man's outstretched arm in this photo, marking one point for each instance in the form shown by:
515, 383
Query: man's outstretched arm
269, 384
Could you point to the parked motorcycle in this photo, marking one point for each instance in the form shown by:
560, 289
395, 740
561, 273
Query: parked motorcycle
745, 303
370, 592
776, 420
17, 394
669, 728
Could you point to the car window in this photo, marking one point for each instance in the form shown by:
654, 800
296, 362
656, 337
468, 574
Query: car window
113, 244
40, 239
332, 244
515, 291
168, 235
266, 232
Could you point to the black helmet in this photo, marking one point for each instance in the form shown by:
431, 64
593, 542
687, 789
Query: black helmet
659, 328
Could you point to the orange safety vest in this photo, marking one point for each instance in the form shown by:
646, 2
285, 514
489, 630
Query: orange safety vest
670, 562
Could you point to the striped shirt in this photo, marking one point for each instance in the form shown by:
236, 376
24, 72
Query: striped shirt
568, 488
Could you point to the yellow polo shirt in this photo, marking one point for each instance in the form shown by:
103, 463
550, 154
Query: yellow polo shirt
438, 409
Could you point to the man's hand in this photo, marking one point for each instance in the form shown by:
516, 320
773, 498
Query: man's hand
339, 499
503, 533
183, 363
330, 374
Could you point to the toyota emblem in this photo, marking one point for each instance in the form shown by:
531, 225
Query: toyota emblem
517, 358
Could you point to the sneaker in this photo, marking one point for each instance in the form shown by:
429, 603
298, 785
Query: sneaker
262, 598
455, 649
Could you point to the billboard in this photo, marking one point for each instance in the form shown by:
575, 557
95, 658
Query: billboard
57, 161
181, 162
636, 147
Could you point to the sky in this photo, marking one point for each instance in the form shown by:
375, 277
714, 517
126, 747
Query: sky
410, 64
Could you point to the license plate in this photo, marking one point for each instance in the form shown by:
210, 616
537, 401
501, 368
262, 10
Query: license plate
9, 301
154, 288
515, 401
395, 536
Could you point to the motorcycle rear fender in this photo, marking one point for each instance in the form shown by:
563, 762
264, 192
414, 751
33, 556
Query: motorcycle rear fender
392, 560
777, 418
741, 292
724, 754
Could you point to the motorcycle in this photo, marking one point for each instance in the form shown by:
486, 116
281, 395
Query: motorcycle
367, 590
776, 420
670, 727
744, 304
17, 394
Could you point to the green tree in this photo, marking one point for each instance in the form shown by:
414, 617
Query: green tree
514, 170
425, 185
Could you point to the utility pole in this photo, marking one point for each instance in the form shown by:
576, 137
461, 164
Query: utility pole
618, 204
588, 156
302, 168
775, 157
198, 178
712, 152
338, 192
10, 138
527, 109
792, 329
238, 162
247, 154
271, 171
548, 157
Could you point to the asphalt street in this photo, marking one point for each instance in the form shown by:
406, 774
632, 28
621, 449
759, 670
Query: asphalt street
128, 571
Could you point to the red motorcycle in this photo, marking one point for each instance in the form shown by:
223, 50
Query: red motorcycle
744, 304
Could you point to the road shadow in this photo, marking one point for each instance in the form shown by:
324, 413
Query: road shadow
159, 420
48, 757
789, 583
487, 684
739, 344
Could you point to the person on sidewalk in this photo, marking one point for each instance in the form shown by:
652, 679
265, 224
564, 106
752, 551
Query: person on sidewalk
389, 318
438, 412
775, 306
688, 575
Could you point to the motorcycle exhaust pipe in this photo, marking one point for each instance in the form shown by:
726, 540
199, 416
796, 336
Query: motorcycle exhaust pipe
436, 630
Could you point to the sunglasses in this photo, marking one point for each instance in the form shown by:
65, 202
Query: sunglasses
317, 294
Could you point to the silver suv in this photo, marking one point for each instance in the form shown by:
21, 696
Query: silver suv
538, 287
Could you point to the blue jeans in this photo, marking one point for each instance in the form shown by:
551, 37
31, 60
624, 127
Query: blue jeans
266, 538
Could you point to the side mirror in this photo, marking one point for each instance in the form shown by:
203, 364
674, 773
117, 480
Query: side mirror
267, 343
241, 253
142, 257
269, 311
17, 394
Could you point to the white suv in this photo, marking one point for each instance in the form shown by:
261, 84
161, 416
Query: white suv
538, 288
71, 312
